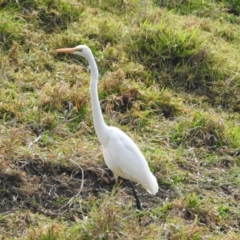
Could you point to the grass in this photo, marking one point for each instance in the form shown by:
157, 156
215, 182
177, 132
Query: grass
169, 77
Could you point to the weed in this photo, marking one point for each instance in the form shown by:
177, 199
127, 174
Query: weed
11, 28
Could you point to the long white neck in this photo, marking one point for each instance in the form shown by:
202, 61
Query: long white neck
99, 124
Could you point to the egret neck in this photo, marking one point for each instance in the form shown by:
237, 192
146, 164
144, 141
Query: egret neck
98, 121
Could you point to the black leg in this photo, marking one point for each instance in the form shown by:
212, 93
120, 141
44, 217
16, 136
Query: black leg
136, 197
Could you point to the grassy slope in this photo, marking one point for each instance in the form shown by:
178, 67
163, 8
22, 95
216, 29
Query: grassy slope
169, 78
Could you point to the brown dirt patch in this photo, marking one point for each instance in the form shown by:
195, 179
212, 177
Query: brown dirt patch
46, 188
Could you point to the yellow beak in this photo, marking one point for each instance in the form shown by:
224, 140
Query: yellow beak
66, 50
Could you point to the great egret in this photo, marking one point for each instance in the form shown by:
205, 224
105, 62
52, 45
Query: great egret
120, 153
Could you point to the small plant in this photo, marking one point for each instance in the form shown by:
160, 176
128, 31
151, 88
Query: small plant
201, 130
11, 28
193, 201
223, 211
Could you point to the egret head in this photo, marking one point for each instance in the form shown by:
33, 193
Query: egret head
81, 50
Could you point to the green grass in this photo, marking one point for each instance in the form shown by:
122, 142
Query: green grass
169, 77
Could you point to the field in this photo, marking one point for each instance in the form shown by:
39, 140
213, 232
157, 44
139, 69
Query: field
169, 77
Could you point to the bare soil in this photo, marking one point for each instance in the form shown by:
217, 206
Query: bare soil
49, 189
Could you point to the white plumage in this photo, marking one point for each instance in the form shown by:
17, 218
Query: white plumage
125, 160
120, 153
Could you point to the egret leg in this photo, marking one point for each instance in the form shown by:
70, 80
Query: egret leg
116, 179
136, 197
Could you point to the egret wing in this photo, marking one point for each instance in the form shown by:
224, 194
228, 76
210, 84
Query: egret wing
124, 158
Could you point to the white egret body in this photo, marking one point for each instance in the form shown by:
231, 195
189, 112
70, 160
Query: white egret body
120, 153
